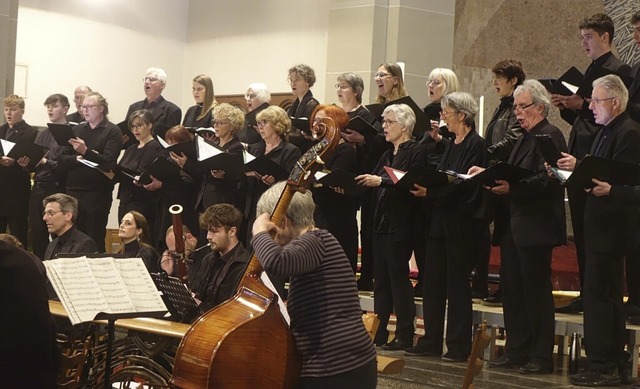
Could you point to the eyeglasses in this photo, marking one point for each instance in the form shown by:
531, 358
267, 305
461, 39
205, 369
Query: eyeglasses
218, 123
262, 123
47, 214
151, 79
381, 75
87, 107
434, 82
597, 101
135, 126
342, 86
445, 113
521, 107
386, 122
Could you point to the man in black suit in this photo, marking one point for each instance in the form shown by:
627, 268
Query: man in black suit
597, 36
14, 203
78, 97
530, 221
610, 229
60, 212
165, 113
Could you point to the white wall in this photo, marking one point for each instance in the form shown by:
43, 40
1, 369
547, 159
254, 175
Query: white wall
106, 44
238, 42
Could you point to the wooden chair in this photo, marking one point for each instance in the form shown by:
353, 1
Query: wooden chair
476, 363
71, 368
386, 365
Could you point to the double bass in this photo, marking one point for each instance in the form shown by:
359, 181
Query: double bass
245, 342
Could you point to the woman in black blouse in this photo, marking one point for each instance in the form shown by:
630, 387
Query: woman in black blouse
459, 215
336, 209
392, 225
137, 158
301, 79
257, 98
135, 234
199, 115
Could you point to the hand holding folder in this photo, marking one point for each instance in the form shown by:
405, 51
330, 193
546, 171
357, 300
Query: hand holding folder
340, 178
61, 133
22, 149
612, 171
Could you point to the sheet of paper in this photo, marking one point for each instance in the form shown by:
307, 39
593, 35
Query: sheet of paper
109, 281
247, 157
206, 151
7, 146
77, 284
571, 87
141, 288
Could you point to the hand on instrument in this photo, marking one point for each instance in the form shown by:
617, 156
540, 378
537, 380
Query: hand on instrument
263, 223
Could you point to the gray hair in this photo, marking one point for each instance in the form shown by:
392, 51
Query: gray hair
68, 204
450, 79
538, 93
615, 88
162, 75
355, 82
300, 210
262, 92
404, 115
463, 103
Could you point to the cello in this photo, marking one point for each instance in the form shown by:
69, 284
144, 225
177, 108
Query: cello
245, 342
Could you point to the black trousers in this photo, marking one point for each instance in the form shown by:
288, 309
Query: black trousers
93, 213
481, 254
632, 275
446, 288
528, 301
16, 218
604, 320
577, 200
366, 238
393, 290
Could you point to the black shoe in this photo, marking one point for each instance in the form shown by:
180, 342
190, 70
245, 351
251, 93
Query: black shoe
421, 350
593, 378
395, 344
534, 368
504, 362
451, 357
575, 306
495, 300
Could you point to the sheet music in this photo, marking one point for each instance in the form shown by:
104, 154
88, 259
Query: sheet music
142, 290
7, 146
86, 162
247, 156
75, 285
395, 174
206, 151
571, 87
109, 281
163, 142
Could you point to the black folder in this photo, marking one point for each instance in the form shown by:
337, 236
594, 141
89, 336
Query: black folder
376, 110
266, 167
343, 179
160, 130
603, 169
548, 149
362, 126
24, 149
572, 76
302, 124
502, 171
188, 148
233, 165
124, 128
61, 133
423, 176
208, 131
422, 122
162, 169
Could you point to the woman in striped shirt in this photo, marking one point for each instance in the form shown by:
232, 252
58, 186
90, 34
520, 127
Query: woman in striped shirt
326, 318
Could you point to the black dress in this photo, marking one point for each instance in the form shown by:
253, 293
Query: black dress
191, 117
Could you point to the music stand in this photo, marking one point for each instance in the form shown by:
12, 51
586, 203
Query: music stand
176, 297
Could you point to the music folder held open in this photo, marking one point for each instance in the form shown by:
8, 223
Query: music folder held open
603, 169
548, 149
362, 126
340, 178
266, 167
61, 133
501, 171
213, 157
104, 288
162, 169
22, 149
422, 176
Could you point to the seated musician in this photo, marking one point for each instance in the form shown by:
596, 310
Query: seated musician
60, 212
224, 266
336, 349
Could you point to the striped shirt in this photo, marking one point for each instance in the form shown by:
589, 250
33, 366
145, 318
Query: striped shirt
326, 318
